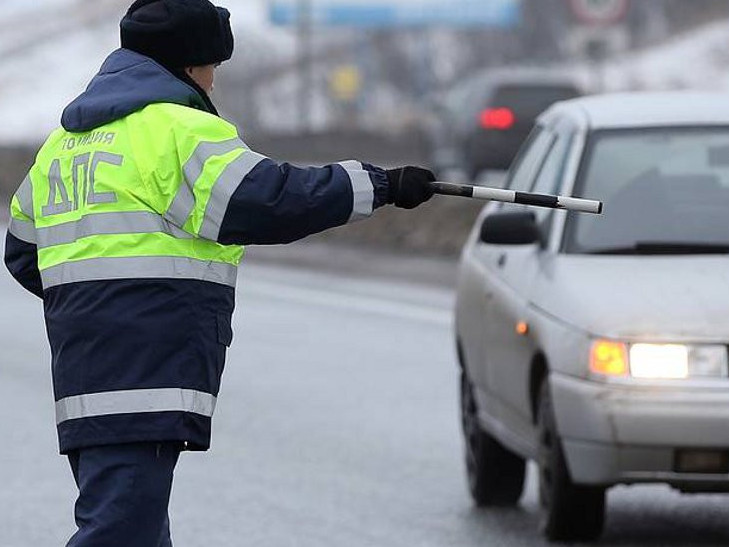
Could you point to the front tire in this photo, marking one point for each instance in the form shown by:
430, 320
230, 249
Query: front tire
570, 512
495, 474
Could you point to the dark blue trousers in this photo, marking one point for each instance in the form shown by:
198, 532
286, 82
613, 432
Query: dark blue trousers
124, 494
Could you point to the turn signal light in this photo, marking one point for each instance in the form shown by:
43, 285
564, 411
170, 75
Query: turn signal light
522, 328
609, 358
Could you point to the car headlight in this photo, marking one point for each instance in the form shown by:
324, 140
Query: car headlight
659, 361
669, 361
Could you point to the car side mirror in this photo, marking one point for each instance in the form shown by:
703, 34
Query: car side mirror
510, 228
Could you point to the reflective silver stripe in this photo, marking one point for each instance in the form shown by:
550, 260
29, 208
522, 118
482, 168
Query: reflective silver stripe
135, 402
362, 189
224, 188
139, 267
25, 197
184, 202
23, 230
131, 222
104, 197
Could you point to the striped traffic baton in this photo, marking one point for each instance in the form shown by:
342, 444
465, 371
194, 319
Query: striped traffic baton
523, 198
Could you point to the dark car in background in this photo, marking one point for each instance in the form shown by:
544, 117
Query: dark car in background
480, 124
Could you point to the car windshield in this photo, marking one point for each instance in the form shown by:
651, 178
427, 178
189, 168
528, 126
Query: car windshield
666, 191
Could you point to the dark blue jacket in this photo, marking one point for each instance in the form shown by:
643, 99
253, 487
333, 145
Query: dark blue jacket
146, 335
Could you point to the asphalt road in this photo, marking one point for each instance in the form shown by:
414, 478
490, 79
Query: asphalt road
337, 426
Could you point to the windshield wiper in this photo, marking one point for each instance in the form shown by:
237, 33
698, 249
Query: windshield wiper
665, 248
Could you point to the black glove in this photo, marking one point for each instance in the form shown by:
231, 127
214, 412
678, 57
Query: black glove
409, 186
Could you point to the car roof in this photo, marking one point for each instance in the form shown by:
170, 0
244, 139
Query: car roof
643, 109
487, 81
531, 76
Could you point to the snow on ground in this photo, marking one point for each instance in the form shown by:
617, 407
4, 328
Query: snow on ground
696, 60
39, 80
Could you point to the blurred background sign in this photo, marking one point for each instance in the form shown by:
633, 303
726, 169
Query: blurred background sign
602, 32
397, 13
346, 83
600, 12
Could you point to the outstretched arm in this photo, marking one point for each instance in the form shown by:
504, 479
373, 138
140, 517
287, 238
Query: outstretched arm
235, 196
281, 203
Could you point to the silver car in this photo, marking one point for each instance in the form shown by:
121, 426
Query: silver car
597, 345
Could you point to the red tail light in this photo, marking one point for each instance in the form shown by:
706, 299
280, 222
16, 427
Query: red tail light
497, 118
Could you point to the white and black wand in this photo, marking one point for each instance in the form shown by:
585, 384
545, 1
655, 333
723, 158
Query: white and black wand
523, 198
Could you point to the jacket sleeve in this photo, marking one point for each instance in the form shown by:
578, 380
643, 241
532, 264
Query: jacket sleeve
235, 196
21, 251
279, 203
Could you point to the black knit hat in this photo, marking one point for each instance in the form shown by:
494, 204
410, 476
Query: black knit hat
178, 33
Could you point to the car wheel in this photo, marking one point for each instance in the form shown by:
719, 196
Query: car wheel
495, 474
570, 512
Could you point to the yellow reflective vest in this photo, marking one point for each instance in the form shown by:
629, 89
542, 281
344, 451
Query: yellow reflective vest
127, 200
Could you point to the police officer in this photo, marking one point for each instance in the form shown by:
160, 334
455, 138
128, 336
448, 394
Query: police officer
130, 226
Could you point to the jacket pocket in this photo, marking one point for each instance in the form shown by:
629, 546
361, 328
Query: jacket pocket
225, 330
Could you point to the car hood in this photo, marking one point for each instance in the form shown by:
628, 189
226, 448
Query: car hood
667, 298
